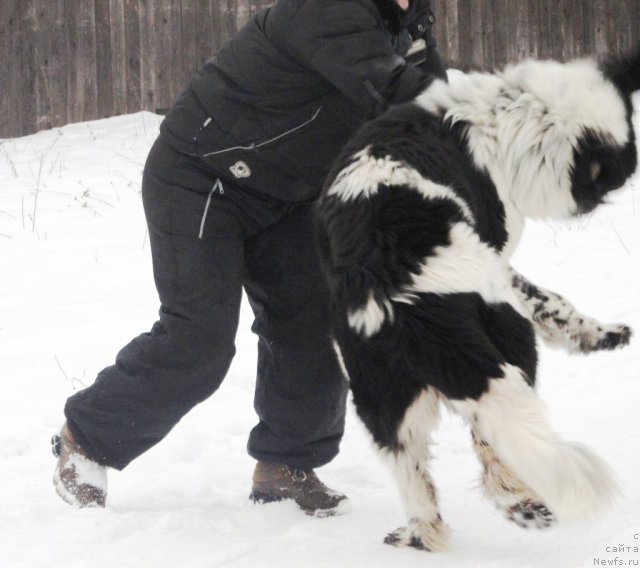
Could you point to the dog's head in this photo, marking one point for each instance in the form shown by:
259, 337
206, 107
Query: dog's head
606, 156
576, 137
586, 146
554, 137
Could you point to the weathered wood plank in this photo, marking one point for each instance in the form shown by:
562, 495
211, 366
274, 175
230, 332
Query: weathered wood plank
104, 75
465, 35
441, 30
132, 47
5, 68
225, 20
477, 33
579, 31
452, 17
620, 25
588, 14
51, 73
500, 26
533, 16
175, 43
635, 18
190, 61
562, 27
519, 24
600, 26
81, 58
634, 23
11, 122
29, 65
204, 31
14, 68
117, 39
488, 34
545, 33
155, 54
148, 56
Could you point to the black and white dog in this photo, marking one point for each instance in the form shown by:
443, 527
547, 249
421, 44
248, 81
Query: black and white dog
417, 223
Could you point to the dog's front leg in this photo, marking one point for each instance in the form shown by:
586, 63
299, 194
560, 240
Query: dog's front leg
559, 324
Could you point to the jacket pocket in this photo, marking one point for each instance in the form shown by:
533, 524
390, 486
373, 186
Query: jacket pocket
290, 165
257, 145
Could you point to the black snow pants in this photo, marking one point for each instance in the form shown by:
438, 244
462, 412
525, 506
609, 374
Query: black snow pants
208, 241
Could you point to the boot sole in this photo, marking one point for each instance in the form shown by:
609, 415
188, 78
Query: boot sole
341, 508
72, 499
260, 498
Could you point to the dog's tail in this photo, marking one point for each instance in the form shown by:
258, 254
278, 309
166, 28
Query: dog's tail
572, 481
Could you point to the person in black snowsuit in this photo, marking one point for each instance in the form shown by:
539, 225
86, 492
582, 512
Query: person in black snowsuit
228, 191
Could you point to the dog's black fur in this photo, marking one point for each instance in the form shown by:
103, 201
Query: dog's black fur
416, 225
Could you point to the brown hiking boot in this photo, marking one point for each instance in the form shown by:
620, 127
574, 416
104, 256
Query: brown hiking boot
275, 482
78, 480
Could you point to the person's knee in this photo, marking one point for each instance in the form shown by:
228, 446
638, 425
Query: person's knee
181, 346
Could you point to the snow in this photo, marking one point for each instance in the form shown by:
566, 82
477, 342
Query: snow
76, 285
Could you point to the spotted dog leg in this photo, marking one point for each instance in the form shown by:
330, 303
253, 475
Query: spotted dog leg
561, 325
409, 463
519, 503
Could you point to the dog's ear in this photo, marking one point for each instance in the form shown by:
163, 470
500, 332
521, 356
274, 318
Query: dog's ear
624, 71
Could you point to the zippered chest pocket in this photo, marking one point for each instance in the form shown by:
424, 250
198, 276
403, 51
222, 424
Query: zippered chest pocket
290, 165
261, 144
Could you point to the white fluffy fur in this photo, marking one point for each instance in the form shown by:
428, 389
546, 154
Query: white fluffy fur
366, 174
461, 266
465, 265
368, 319
525, 122
572, 481
410, 465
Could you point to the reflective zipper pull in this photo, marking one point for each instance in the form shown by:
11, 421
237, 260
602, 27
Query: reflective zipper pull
216, 186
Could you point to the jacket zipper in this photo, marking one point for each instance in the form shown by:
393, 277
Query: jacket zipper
218, 186
253, 146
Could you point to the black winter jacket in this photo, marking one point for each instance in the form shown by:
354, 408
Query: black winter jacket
272, 109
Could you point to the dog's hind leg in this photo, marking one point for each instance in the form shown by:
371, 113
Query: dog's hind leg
559, 324
409, 463
519, 503
569, 478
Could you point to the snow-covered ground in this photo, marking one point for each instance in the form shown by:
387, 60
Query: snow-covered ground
76, 285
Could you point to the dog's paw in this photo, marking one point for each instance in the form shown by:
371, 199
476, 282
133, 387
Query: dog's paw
402, 537
602, 338
530, 515
431, 537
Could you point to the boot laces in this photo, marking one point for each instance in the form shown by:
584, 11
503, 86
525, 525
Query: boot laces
298, 475
56, 442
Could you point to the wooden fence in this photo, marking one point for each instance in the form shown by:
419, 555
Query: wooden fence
489, 33
71, 60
